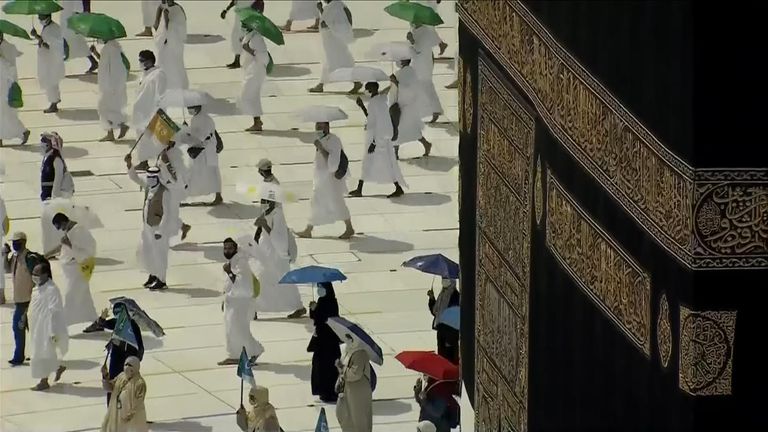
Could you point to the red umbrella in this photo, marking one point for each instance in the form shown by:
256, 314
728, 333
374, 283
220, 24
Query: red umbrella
430, 364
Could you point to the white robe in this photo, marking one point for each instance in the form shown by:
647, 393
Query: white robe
237, 35
204, 174
3, 215
50, 62
10, 125
170, 42
112, 79
275, 252
49, 235
153, 253
380, 166
78, 301
327, 203
413, 107
239, 309
177, 187
336, 38
78, 47
423, 63
151, 88
46, 320
149, 12
303, 10
430, 29
255, 73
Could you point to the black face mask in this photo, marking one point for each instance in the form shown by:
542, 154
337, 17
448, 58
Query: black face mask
17, 246
266, 173
229, 255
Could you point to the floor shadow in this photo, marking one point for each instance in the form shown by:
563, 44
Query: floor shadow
88, 78
372, 244
181, 426
422, 199
390, 407
78, 114
289, 71
305, 137
222, 106
82, 364
433, 163
210, 251
195, 292
363, 33
300, 371
75, 390
74, 152
235, 210
447, 126
203, 39
107, 262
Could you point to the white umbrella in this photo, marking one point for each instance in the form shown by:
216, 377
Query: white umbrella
264, 190
393, 51
83, 215
321, 114
184, 98
358, 74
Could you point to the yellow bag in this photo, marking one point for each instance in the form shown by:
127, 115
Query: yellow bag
256, 287
86, 268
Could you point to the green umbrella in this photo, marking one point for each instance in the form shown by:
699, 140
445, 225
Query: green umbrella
253, 20
414, 13
96, 25
31, 7
9, 28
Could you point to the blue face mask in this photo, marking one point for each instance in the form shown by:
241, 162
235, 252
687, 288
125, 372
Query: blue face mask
320, 292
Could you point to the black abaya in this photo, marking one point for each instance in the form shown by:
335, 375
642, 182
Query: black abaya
324, 347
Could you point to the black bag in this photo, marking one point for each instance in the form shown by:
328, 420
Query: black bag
219, 142
341, 171
194, 152
394, 115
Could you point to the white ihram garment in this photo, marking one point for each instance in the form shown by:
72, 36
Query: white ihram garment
237, 35
239, 309
153, 84
3, 215
46, 320
50, 62
10, 125
303, 10
78, 47
336, 38
413, 107
113, 96
78, 301
423, 63
380, 166
149, 12
175, 175
327, 203
204, 173
170, 41
255, 67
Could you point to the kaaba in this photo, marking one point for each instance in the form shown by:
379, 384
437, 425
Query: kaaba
613, 215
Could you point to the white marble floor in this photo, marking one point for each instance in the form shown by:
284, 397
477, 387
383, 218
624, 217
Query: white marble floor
187, 390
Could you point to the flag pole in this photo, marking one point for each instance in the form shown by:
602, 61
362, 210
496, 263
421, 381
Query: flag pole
241, 392
137, 141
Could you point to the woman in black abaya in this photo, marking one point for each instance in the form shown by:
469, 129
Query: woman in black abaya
324, 344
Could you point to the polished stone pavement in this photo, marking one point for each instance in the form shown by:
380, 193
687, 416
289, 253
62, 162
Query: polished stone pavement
187, 391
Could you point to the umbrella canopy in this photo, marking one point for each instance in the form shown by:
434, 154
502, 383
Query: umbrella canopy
429, 363
137, 314
262, 189
414, 13
321, 114
96, 25
342, 327
313, 274
451, 317
11, 29
182, 98
253, 20
392, 51
31, 7
437, 264
358, 74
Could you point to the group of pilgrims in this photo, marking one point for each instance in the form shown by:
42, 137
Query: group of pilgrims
188, 167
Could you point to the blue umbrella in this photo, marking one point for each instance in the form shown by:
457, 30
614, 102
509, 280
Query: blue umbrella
343, 327
450, 317
437, 264
312, 274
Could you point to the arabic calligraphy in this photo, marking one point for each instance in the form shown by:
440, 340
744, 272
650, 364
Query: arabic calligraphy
664, 332
706, 351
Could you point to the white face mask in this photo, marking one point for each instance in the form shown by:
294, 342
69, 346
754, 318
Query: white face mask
152, 181
192, 111
447, 283
319, 134
36, 279
320, 292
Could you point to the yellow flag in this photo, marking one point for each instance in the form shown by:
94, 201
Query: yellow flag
256, 287
6, 225
86, 268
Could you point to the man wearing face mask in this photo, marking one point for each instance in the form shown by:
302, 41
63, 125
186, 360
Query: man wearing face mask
20, 265
204, 174
50, 60
423, 41
158, 225
151, 87
170, 36
379, 160
265, 171
113, 95
238, 306
331, 168
10, 125
48, 331
447, 337
407, 94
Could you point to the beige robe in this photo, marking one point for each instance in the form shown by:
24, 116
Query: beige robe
127, 398
354, 408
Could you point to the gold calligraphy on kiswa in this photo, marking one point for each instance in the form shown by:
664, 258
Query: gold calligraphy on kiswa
706, 351
617, 285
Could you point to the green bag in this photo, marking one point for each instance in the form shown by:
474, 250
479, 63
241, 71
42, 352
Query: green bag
14, 96
126, 63
270, 65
